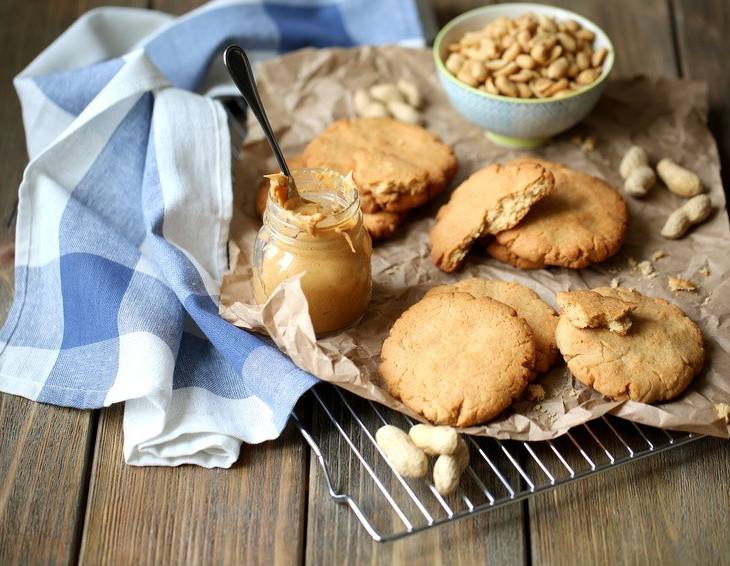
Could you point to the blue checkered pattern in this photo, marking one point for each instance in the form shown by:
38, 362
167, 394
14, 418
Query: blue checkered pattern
123, 218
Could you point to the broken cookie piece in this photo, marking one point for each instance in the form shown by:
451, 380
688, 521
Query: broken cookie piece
492, 200
678, 284
588, 309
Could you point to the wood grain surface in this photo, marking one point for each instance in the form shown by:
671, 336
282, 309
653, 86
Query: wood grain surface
67, 496
44, 450
252, 513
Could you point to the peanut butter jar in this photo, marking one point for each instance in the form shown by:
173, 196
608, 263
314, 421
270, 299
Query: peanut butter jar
322, 237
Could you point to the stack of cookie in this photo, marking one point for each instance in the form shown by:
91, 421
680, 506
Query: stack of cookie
539, 213
395, 166
501, 335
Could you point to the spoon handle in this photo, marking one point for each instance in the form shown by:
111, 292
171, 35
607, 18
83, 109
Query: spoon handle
239, 67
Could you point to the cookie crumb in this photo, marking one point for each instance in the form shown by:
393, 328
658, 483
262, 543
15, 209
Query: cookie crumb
657, 255
678, 284
615, 283
633, 264
705, 270
723, 411
647, 269
535, 392
589, 143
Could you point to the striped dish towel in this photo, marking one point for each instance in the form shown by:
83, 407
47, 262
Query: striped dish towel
123, 217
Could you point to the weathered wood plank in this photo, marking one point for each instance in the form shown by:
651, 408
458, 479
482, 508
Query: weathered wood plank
249, 514
44, 451
704, 44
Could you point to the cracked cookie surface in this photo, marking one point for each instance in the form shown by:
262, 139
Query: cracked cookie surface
654, 362
491, 200
396, 166
583, 221
537, 313
457, 359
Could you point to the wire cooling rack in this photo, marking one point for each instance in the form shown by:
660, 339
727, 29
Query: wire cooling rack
341, 435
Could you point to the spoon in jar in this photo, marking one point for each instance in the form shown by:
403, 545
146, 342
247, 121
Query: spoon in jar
239, 67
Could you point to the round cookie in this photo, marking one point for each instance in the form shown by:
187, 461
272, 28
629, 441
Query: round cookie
500, 253
457, 359
537, 313
582, 221
400, 165
655, 361
491, 200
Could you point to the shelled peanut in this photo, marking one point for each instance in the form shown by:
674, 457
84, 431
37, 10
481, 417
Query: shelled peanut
529, 57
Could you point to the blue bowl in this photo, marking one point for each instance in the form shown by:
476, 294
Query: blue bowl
522, 123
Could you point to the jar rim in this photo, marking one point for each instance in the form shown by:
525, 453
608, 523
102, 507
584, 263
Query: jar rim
342, 186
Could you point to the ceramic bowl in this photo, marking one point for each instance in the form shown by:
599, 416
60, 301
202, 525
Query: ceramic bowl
518, 122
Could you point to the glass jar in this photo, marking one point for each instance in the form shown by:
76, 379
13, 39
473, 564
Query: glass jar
331, 248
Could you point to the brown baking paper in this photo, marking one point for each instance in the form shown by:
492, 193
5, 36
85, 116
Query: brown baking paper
307, 90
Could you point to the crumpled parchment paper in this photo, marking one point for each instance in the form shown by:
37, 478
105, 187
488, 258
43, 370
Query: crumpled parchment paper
307, 90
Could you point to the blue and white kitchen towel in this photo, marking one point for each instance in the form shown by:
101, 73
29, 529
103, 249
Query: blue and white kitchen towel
122, 224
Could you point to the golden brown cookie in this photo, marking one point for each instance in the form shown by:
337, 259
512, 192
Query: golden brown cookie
458, 359
381, 225
490, 201
583, 221
537, 313
655, 361
500, 253
588, 309
399, 165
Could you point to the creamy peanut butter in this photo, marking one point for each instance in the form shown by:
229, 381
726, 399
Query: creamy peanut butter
321, 236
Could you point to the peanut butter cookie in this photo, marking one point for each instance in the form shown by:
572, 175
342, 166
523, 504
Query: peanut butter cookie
501, 253
655, 361
537, 313
582, 221
492, 200
400, 166
470, 378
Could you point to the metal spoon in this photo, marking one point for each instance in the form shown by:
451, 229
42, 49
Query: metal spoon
239, 67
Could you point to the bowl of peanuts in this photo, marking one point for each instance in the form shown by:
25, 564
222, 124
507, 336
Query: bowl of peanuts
523, 72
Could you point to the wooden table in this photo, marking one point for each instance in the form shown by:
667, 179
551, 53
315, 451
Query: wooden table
67, 496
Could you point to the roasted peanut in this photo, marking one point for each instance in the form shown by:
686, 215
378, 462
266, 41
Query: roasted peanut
633, 158
490, 87
508, 69
523, 90
679, 180
410, 92
454, 62
558, 68
366, 107
694, 211
525, 61
599, 56
553, 49
505, 86
587, 77
447, 469
403, 456
386, 93
640, 181
404, 112
434, 440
